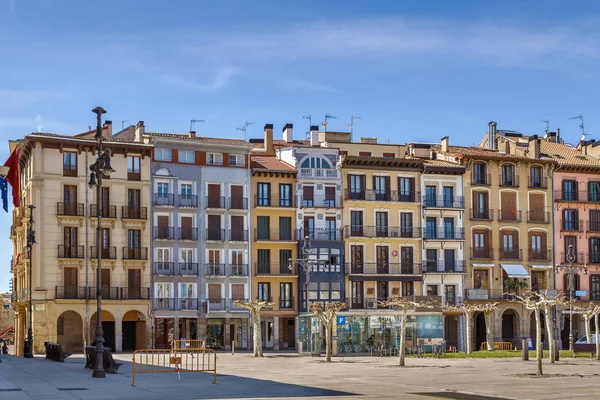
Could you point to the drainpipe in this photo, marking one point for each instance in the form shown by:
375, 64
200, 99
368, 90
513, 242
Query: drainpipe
87, 247
551, 171
249, 227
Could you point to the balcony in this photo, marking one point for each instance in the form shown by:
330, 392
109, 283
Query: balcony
234, 308
163, 268
452, 202
70, 251
274, 235
216, 202
571, 225
70, 209
274, 201
214, 269
274, 269
107, 253
513, 254
320, 202
215, 235
396, 196
164, 304
540, 255
237, 270
322, 234
139, 253
509, 180
107, 212
188, 269
439, 266
73, 292
238, 235
537, 182
383, 268
485, 253
164, 233
509, 215
134, 212
187, 233
569, 195
163, 200
382, 231
481, 180
444, 234
594, 258
139, 293
237, 203
579, 259
216, 305
494, 294
540, 217
108, 293
187, 303
482, 214
319, 173
188, 201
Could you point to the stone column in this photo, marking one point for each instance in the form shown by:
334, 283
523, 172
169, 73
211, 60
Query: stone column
227, 337
201, 328
118, 334
176, 333
275, 333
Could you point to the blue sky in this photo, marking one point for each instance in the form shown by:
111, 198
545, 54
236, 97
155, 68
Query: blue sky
413, 70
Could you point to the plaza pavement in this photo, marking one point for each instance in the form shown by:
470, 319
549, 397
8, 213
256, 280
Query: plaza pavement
288, 376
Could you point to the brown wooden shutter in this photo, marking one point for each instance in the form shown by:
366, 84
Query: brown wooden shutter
363, 183
163, 221
214, 190
237, 223
70, 276
237, 291
544, 242
475, 202
105, 201
509, 205
329, 192
105, 277
237, 191
214, 222
308, 192
214, 291
134, 279
186, 223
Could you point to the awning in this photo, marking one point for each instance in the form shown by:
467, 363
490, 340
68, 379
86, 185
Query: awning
515, 270
542, 266
484, 265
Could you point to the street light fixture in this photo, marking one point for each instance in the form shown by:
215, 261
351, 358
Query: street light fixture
307, 264
99, 169
28, 353
571, 271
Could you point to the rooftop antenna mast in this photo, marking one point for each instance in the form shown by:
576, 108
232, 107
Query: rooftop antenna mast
351, 125
546, 122
245, 128
193, 122
325, 123
123, 123
309, 118
581, 126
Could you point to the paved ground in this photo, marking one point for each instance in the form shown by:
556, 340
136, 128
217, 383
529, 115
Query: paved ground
289, 376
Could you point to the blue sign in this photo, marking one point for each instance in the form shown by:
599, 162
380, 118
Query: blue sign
339, 330
302, 329
580, 293
341, 320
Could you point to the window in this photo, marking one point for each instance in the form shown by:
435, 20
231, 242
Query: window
214, 158
264, 291
430, 196
133, 168
595, 251
594, 191
430, 227
186, 156
285, 195
336, 291
389, 155
236, 160
69, 163
263, 228
187, 256
263, 262
480, 174
186, 190
263, 197
508, 175
450, 294
163, 189
432, 290
162, 154
364, 154
163, 255
406, 189
536, 177
186, 290
569, 189
285, 295
481, 279
570, 220
315, 162
356, 183
284, 261
595, 287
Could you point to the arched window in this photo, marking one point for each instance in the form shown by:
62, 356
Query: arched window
480, 176
316, 162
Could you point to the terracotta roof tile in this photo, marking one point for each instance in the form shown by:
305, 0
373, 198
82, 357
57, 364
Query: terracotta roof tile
282, 143
443, 163
270, 163
77, 137
567, 155
475, 152
198, 138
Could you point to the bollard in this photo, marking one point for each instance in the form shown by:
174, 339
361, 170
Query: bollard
525, 353
556, 351
233, 347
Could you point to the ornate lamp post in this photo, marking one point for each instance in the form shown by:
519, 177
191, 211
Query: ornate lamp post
99, 168
307, 264
28, 353
571, 271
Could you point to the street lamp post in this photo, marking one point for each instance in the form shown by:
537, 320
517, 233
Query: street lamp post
306, 263
30, 242
98, 169
571, 271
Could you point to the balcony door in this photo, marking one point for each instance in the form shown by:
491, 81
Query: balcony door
449, 228
406, 260
330, 196
263, 197
536, 207
70, 282
105, 202
406, 188
381, 222
450, 260
134, 243
383, 259
431, 259
106, 243
356, 185
106, 293
381, 184
263, 262
237, 197
70, 241
357, 294
285, 195
214, 293
481, 243
406, 225
571, 241
508, 175
430, 227
430, 196
537, 246
569, 189
163, 261
383, 291
163, 226
480, 205
285, 228
330, 229
214, 227
134, 283
509, 206
356, 259
237, 228
187, 232
356, 223
309, 227
308, 196
481, 279
448, 196
214, 195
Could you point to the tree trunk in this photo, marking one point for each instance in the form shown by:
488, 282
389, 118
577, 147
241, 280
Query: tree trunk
550, 333
257, 334
588, 331
489, 331
328, 341
402, 337
469, 323
538, 341
596, 320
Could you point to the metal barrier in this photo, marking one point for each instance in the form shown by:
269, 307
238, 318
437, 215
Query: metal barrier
498, 346
173, 360
188, 344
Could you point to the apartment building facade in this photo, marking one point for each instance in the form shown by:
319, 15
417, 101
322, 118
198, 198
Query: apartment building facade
54, 178
201, 243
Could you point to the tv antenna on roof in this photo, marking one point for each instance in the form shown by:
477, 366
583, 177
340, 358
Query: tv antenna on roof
325, 123
309, 118
193, 121
546, 122
245, 128
581, 126
351, 124
123, 123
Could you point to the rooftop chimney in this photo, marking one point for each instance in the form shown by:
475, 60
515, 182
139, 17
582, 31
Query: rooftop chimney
268, 143
192, 134
314, 135
107, 133
492, 135
534, 146
288, 133
140, 129
445, 144
551, 137
558, 139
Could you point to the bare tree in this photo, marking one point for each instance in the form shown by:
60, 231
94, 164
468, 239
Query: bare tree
469, 310
327, 317
404, 305
254, 306
592, 311
537, 302
6, 318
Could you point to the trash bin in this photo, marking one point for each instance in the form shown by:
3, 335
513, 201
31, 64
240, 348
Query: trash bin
334, 345
299, 347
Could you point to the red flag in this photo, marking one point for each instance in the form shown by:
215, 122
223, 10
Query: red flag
13, 176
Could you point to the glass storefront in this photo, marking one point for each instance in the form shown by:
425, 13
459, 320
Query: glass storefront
215, 333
